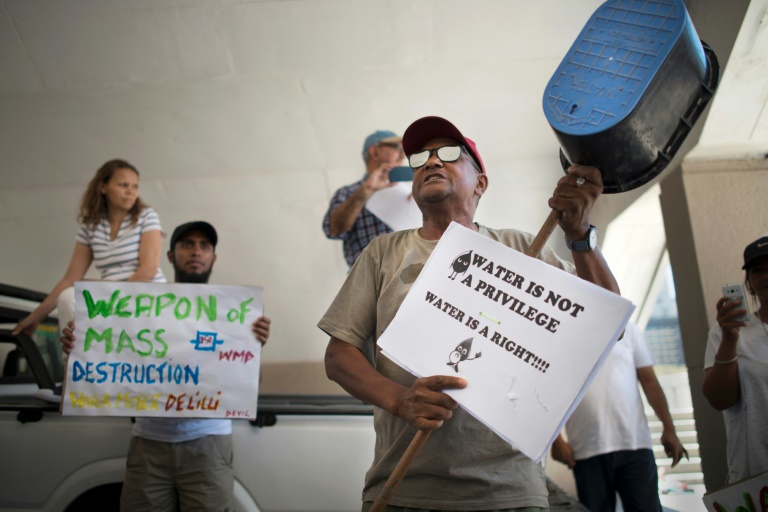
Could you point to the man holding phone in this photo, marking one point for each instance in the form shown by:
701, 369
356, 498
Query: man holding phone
347, 218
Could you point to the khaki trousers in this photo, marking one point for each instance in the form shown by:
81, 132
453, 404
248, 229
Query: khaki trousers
197, 474
368, 504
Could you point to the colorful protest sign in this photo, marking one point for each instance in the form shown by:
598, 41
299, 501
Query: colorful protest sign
750, 495
528, 337
164, 350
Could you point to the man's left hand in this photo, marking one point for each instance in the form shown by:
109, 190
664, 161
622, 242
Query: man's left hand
574, 196
673, 447
260, 329
562, 452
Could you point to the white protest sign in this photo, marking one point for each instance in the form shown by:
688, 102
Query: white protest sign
528, 337
395, 207
749, 495
164, 350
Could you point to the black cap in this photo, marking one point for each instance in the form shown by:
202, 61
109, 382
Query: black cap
197, 225
754, 250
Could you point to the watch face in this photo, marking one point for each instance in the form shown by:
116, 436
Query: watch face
592, 238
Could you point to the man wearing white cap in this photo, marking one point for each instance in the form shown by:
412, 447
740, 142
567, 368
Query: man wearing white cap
347, 218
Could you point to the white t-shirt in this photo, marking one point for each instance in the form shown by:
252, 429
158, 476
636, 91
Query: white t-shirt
173, 430
746, 423
118, 259
611, 416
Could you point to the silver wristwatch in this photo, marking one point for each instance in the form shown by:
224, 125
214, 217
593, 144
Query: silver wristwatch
588, 244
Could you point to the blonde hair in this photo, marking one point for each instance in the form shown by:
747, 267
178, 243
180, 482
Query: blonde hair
93, 206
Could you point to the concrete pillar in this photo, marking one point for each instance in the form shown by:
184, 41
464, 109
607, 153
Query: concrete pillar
712, 210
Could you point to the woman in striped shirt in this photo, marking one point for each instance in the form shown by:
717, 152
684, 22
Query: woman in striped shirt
119, 234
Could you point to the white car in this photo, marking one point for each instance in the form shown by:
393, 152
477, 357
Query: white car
302, 453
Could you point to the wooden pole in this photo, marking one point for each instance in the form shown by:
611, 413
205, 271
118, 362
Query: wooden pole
400, 470
404, 464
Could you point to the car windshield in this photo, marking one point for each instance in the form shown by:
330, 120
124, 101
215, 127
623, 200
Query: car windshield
15, 304
47, 340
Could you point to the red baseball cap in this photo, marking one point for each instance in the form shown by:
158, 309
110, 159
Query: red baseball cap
427, 128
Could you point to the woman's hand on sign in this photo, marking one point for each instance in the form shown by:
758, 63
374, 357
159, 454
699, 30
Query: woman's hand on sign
68, 338
424, 405
260, 329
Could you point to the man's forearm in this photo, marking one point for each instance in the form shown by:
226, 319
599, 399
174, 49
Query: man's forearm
721, 385
592, 267
347, 366
655, 395
344, 216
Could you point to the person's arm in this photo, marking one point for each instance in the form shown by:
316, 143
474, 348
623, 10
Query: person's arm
422, 405
81, 259
658, 401
343, 216
562, 452
575, 204
592, 267
150, 249
721, 381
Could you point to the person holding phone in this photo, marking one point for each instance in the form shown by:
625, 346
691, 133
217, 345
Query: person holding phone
347, 219
736, 369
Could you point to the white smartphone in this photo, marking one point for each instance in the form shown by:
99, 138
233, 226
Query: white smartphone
736, 292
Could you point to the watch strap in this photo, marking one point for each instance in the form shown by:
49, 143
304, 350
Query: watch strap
581, 245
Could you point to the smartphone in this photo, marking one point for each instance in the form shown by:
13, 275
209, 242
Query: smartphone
736, 292
401, 173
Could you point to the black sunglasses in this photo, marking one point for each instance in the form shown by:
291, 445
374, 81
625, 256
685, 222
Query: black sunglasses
444, 153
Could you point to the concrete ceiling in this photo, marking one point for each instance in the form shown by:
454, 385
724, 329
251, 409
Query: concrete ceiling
269, 85
738, 120
251, 113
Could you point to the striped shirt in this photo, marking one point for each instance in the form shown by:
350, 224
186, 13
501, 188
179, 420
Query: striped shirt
118, 259
367, 226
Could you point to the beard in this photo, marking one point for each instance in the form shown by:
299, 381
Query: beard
191, 277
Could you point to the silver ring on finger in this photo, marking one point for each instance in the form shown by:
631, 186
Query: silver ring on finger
580, 181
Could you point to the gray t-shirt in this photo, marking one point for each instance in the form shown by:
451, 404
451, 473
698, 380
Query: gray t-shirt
745, 422
463, 465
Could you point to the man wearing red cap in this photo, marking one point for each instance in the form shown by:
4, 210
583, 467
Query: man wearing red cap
464, 465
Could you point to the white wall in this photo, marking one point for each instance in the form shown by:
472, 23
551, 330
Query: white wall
250, 114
